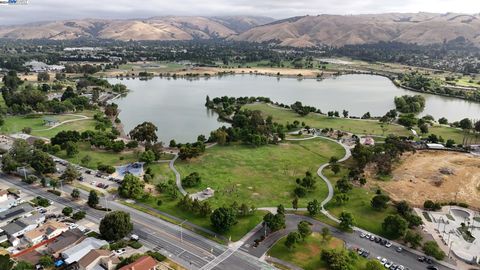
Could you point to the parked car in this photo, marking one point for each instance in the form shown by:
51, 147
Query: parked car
421, 259
431, 267
88, 172
388, 264
362, 235
399, 249
388, 244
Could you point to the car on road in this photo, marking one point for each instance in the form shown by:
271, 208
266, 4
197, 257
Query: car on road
399, 249
134, 237
388, 244
431, 267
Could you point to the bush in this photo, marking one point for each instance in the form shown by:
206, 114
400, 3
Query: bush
79, 215
156, 255
56, 192
431, 249
41, 201
192, 180
135, 244
118, 245
432, 206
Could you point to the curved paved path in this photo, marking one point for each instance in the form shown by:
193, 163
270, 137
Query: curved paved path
80, 118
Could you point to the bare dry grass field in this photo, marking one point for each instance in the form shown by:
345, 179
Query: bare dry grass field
437, 176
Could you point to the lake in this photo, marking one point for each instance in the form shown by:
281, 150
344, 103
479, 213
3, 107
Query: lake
176, 106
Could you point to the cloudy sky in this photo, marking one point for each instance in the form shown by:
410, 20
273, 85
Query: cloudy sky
41, 10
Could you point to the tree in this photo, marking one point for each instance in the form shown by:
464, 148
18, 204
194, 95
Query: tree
403, 208
24, 265
145, 132
343, 185
424, 128
46, 261
337, 259
292, 239
341, 198
43, 77
192, 180
313, 207
380, 202
75, 193
148, 157
413, 238
6, 262
93, 199
274, 222
71, 148
394, 226
295, 203
115, 226
79, 215
70, 174
53, 183
223, 219
443, 121
42, 162
346, 221
374, 265
345, 113
304, 229
131, 187
466, 124
431, 249
67, 211
335, 168
326, 234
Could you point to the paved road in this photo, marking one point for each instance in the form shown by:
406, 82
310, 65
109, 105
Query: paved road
183, 246
404, 258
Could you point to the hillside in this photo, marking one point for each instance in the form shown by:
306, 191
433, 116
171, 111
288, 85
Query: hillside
156, 28
337, 30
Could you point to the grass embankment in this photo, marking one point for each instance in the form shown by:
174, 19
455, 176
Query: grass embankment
359, 205
307, 254
263, 176
99, 156
372, 127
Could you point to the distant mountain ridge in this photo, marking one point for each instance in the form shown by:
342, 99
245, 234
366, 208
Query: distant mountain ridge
155, 28
301, 31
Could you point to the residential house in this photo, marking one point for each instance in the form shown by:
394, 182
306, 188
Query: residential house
98, 259
21, 210
143, 263
48, 230
65, 241
75, 253
23, 225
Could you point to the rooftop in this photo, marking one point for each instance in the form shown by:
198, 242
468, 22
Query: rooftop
15, 211
65, 240
93, 255
77, 252
143, 263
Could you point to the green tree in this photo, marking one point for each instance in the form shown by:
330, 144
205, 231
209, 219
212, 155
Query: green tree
131, 187
223, 219
75, 193
380, 202
374, 265
338, 259
86, 160
395, 226
431, 248
346, 221
115, 226
145, 132
343, 185
43, 77
413, 238
67, 211
46, 261
466, 124
6, 262
42, 162
53, 183
292, 239
148, 157
295, 203
79, 215
23, 265
313, 207
71, 149
326, 234
192, 180
304, 229
70, 174
92, 199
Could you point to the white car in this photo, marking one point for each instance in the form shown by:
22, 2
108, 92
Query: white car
383, 261
362, 235
93, 183
379, 258
388, 264
120, 251
388, 244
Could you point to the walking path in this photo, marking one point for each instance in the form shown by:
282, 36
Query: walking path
80, 118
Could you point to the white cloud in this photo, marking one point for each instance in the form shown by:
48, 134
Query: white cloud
38, 10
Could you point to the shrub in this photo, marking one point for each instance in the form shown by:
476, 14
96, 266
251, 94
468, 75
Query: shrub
135, 244
56, 192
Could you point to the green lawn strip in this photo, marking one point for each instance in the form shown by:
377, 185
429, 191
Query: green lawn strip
263, 176
283, 116
79, 126
87, 188
359, 205
244, 225
35, 121
161, 172
447, 133
99, 156
307, 254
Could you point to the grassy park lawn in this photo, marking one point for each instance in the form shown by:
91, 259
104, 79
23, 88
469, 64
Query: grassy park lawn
244, 225
99, 156
283, 116
447, 133
359, 205
79, 126
307, 254
263, 176
15, 124
161, 172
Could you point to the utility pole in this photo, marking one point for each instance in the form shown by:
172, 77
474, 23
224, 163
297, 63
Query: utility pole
181, 230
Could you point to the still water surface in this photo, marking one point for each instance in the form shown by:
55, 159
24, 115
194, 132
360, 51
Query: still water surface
176, 106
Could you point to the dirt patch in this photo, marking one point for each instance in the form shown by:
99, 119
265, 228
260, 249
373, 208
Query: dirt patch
422, 176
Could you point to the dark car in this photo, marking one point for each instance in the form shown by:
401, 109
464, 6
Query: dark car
431, 267
429, 261
421, 259
378, 240
88, 172
81, 178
